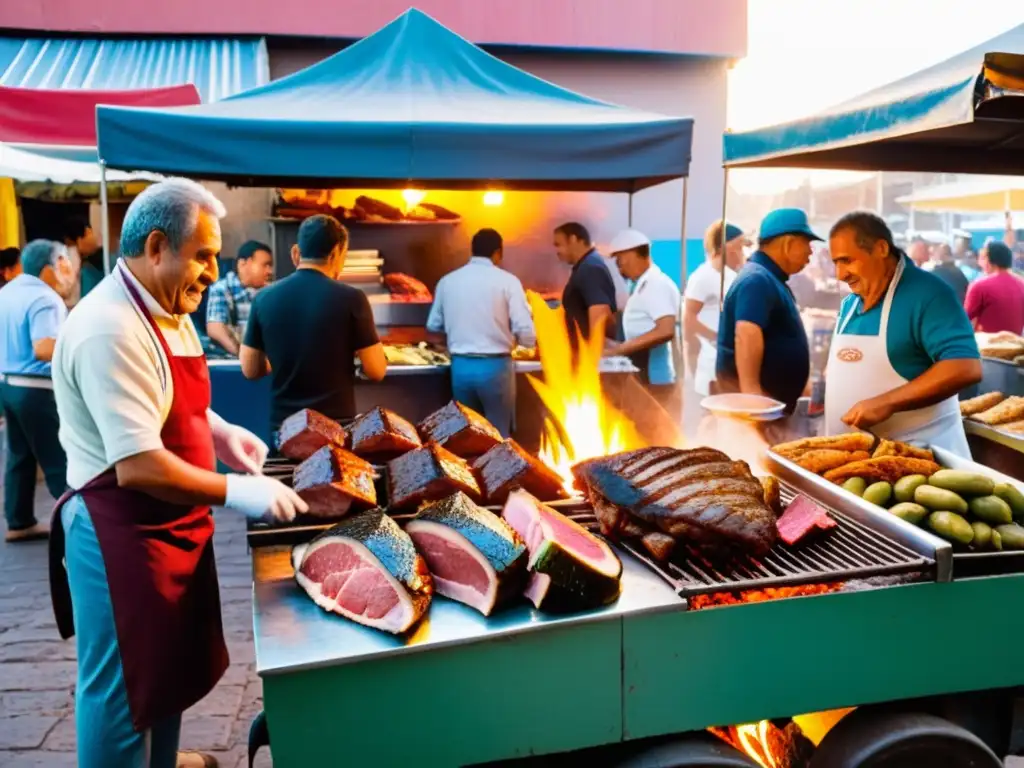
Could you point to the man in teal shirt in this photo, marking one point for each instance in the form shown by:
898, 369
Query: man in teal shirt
903, 347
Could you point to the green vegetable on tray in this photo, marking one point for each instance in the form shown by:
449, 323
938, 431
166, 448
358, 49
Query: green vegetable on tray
951, 526
909, 511
982, 535
905, 487
967, 483
878, 493
991, 509
1012, 496
939, 499
1012, 536
856, 485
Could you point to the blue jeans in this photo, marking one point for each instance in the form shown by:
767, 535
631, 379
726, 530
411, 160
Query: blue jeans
106, 736
487, 385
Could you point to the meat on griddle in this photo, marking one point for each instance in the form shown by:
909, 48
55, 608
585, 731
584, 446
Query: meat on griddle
332, 480
699, 497
307, 431
460, 430
429, 473
507, 466
382, 434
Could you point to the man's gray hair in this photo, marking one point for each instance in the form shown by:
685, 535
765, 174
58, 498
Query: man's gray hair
170, 206
40, 254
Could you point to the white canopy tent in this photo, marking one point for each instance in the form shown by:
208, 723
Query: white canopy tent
989, 195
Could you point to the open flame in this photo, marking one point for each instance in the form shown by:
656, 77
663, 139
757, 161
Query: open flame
581, 423
753, 739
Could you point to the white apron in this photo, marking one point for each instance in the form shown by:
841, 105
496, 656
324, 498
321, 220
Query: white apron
859, 369
707, 358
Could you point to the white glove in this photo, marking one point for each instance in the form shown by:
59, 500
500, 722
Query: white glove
236, 446
259, 497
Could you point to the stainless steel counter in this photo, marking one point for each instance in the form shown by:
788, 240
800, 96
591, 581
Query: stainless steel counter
996, 435
292, 633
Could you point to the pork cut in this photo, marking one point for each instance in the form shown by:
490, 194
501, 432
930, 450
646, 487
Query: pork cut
473, 555
698, 496
307, 431
507, 466
367, 570
802, 518
571, 569
461, 430
332, 480
428, 474
382, 434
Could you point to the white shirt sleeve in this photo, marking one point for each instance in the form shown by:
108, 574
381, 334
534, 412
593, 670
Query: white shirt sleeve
697, 287
435, 320
120, 381
519, 314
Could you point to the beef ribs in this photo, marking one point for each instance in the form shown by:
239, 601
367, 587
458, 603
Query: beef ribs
461, 430
507, 466
699, 497
428, 474
383, 434
801, 518
332, 480
304, 433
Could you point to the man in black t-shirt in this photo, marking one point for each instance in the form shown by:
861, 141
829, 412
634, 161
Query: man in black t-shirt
590, 293
307, 330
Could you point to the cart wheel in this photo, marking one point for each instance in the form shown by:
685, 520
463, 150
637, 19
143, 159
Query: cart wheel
259, 736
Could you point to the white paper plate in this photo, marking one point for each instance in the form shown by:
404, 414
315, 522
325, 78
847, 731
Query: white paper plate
740, 406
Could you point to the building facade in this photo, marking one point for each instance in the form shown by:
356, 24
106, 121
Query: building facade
668, 56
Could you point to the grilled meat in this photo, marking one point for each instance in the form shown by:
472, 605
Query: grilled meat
307, 431
383, 433
460, 430
887, 468
428, 474
802, 518
507, 466
699, 496
332, 479
980, 403
772, 493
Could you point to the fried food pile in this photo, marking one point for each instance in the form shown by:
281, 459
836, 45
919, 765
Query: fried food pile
840, 457
995, 409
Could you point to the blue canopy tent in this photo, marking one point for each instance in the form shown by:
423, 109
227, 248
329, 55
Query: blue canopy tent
964, 115
412, 102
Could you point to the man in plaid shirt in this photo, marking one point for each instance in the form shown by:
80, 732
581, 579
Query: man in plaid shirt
227, 309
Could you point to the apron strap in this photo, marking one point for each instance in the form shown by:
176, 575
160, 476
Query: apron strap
141, 306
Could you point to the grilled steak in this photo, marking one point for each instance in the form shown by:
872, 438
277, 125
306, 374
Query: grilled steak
366, 569
332, 479
383, 433
461, 430
473, 555
428, 474
507, 466
801, 518
304, 433
699, 496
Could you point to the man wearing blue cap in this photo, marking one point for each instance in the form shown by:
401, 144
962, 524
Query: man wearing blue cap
762, 345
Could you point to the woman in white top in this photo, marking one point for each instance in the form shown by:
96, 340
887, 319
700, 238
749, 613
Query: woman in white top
703, 298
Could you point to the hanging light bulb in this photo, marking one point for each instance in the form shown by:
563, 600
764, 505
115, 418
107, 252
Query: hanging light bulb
494, 197
413, 197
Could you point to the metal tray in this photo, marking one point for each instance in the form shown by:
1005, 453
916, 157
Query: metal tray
950, 562
996, 435
841, 500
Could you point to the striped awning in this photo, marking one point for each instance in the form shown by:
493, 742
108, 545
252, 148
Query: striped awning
217, 67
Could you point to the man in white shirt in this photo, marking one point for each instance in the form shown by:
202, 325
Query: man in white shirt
704, 292
481, 310
31, 315
132, 572
649, 319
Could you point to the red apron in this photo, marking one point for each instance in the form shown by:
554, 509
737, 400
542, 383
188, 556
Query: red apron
159, 562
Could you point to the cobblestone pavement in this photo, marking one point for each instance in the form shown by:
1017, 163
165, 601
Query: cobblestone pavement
37, 668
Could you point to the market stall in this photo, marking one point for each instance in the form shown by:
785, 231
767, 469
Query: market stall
963, 115
411, 105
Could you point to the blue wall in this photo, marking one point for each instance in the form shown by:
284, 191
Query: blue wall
666, 255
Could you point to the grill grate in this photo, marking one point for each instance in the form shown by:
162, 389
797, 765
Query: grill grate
848, 551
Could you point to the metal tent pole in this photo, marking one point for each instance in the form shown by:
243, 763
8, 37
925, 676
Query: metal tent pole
682, 241
629, 217
721, 241
105, 213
